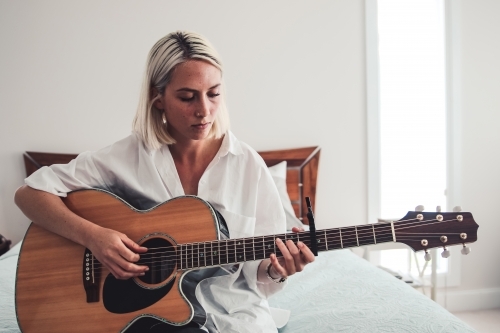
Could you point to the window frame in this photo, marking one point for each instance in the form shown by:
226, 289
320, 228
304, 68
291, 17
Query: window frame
453, 131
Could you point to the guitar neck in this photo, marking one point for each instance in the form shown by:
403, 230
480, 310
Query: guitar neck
231, 251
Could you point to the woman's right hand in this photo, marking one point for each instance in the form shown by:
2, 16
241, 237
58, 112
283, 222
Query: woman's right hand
117, 252
113, 249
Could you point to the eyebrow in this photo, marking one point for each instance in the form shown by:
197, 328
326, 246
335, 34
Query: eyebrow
194, 90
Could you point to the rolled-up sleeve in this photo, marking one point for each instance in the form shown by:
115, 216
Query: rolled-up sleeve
59, 179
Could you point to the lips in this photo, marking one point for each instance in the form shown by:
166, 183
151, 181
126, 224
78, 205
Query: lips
201, 126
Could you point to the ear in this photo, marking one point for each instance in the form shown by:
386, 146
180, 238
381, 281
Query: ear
158, 103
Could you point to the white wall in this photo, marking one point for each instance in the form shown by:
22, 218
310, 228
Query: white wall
70, 74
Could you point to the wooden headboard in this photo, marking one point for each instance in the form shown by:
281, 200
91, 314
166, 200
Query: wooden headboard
301, 177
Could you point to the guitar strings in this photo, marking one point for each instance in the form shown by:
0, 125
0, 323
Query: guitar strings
260, 248
305, 236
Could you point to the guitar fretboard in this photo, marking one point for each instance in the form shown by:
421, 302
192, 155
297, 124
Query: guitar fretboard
231, 251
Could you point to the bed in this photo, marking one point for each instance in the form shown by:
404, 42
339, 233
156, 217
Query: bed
340, 292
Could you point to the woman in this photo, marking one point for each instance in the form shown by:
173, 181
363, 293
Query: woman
180, 145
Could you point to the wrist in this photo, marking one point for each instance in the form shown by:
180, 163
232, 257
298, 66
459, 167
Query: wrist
273, 275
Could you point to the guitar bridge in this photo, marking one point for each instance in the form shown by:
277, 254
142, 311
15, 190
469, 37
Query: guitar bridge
91, 276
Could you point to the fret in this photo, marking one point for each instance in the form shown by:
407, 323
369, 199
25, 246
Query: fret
357, 238
326, 241
197, 254
210, 254
269, 246
231, 251
365, 234
259, 251
321, 241
192, 255
179, 249
374, 238
223, 252
203, 255
383, 231
349, 237
239, 250
215, 253
292, 236
264, 248
189, 256
253, 247
249, 254
340, 234
393, 233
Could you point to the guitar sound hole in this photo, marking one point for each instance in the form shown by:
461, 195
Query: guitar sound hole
160, 259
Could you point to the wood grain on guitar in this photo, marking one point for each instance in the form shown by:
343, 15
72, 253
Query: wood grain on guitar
56, 293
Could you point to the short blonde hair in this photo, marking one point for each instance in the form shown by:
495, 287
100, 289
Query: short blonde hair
173, 49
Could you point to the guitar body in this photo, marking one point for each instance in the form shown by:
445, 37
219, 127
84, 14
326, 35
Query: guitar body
55, 292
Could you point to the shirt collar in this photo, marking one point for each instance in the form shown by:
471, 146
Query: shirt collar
230, 145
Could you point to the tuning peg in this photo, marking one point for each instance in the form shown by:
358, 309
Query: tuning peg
438, 209
465, 250
427, 256
445, 253
457, 209
419, 208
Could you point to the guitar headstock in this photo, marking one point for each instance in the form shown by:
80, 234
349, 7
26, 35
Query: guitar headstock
426, 230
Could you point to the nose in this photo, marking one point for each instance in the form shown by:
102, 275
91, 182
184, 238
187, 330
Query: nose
203, 108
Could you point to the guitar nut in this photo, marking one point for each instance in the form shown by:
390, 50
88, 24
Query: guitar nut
424, 242
443, 239
463, 235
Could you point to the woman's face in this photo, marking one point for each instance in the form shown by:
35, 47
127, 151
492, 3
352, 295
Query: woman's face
191, 100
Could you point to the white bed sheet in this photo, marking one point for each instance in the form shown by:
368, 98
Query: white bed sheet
339, 292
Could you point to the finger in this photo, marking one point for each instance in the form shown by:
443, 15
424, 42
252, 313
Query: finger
297, 229
296, 254
276, 266
130, 268
306, 252
129, 251
289, 260
133, 245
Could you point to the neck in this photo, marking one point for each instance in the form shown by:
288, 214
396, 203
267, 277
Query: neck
221, 252
192, 151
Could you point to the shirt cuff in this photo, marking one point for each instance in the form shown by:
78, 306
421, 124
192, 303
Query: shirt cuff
264, 290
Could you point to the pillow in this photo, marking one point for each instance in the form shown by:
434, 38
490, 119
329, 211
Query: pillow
278, 172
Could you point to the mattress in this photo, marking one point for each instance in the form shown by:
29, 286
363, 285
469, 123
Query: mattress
339, 292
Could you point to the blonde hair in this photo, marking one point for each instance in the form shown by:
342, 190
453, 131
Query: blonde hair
173, 49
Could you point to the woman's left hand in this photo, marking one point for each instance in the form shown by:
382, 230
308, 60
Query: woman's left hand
295, 257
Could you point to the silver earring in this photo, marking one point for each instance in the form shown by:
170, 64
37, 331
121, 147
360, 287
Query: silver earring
164, 119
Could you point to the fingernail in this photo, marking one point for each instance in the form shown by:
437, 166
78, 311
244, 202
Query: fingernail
300, 244
142, 274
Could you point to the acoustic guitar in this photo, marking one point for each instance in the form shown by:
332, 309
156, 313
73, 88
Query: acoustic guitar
61, 287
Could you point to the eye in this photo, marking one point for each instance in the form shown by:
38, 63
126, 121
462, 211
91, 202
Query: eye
186, 98
213, 95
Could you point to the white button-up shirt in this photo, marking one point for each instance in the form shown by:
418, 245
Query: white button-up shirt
236, 182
